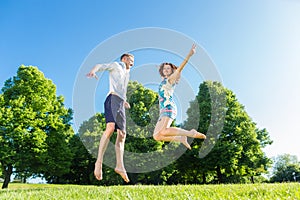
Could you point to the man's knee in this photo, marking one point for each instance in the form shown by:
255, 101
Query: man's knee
110, 128
110, 125
122, 134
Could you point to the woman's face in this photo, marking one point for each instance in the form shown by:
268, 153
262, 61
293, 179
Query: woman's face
167, 70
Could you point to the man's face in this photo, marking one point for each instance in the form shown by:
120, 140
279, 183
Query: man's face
129, 61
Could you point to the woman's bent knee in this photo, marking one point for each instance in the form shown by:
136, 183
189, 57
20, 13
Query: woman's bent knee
157, 137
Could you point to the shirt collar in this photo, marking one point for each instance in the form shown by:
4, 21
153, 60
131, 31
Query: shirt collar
123, 64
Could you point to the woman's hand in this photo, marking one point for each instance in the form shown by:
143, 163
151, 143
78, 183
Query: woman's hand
193, 50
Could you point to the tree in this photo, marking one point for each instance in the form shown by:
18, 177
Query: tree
34, 126
286, 169
206, 114
236, 146
58, 155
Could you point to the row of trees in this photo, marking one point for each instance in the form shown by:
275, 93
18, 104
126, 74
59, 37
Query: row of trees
231, 154
37, 139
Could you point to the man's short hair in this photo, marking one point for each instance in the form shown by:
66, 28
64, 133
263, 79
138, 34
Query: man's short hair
126, 55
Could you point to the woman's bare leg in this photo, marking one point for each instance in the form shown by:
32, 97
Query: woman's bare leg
163, 132
163, 129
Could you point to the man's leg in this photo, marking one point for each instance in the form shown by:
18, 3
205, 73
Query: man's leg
119, 147
102, 147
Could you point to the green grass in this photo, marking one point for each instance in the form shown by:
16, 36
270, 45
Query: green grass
283, 191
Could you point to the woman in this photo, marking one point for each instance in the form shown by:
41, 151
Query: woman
163, 132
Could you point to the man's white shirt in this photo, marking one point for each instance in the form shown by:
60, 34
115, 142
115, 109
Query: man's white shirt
118, 77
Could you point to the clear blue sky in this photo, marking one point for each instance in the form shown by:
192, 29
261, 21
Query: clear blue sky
254, 44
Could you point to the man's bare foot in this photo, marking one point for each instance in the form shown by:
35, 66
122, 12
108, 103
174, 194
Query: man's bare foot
196, 134
184, 141
123, 174
98, 170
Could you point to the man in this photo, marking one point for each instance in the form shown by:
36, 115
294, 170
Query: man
114, 109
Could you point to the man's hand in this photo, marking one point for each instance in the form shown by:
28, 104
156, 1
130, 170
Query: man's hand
92, 75
127, 105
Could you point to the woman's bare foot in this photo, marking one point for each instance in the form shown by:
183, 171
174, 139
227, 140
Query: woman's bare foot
196, 134
184, 141
98, 170
123, 174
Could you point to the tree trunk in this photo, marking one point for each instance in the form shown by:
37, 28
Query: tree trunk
7, 171
24, 179
219, 174
204, 178
252, 179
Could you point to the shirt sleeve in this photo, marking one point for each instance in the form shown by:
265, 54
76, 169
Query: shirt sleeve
107, 66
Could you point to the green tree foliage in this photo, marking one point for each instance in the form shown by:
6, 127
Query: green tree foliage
82, 167
286, 169
141, 119
206, 114
237, 149
144, 108
34, 126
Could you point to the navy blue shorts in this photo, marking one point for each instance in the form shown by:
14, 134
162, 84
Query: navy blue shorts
114, 111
